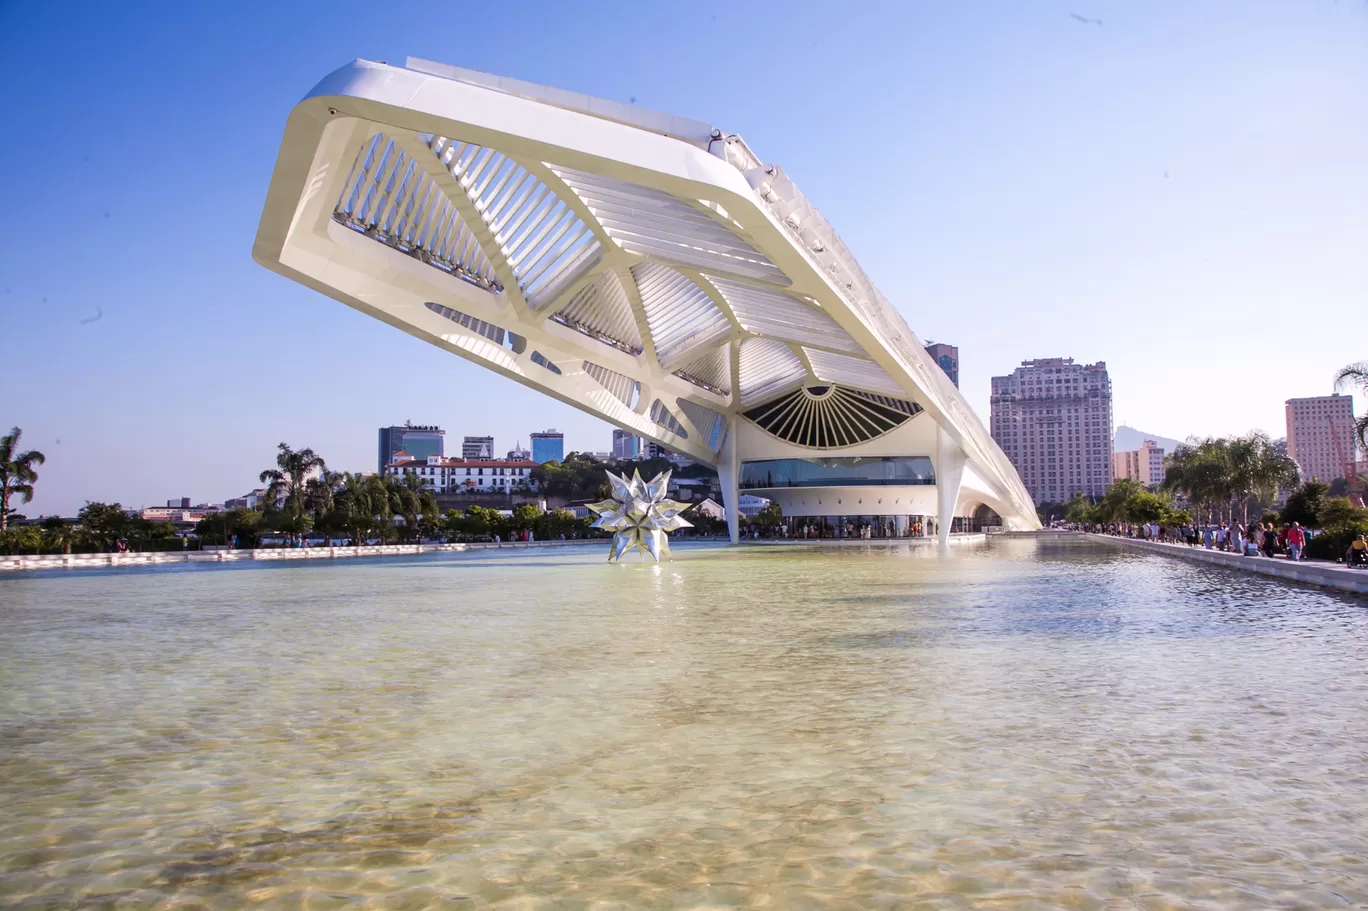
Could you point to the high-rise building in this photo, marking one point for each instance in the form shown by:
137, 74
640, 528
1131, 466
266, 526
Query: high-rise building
626, 445
548, 446
1145, 464
1320, 436
419, 440
1053, 419
947, 356
476, 449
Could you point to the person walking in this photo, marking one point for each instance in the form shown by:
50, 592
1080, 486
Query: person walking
1296, 540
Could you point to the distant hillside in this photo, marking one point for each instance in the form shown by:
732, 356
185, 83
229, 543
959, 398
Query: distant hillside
1128, 438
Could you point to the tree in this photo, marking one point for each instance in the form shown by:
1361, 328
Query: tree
769, 517
1305, 503
104, 523
286, 485
17, 476
222, 528
1356, 375
61, 534
525, 517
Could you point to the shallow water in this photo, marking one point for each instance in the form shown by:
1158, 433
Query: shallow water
1026, 724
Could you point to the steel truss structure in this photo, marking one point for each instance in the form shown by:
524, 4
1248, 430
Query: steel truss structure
645, 268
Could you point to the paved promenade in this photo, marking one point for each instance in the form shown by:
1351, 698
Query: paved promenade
1315, 572
77, 561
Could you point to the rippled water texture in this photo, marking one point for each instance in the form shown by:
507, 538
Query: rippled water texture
1026, 724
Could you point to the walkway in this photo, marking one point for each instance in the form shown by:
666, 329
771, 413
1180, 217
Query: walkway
1315, 572
77, 561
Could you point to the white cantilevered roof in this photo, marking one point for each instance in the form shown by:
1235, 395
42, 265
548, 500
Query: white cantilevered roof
646, 268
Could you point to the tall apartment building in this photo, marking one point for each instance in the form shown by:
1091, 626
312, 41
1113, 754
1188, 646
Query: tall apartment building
626, 445
1320, 435
1145, 464
477, 449
947, 356
419, 440
1053, 419
548, 446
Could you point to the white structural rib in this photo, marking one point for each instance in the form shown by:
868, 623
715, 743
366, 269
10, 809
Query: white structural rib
778, 315
710, 370
623, 387
709, 423
544, 241
852, 371
644, 268
662, 415
766, 367
680, 315
652, 223
388, 197
601, 310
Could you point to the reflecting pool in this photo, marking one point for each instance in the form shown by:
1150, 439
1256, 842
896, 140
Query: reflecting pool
1022, 724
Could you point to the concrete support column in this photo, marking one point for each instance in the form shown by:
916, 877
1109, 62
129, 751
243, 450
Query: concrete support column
728, 470
950, 461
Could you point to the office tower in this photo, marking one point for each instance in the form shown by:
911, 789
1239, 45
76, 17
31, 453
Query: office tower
626, 445
477, 449
418, 440
548, 446
947, 356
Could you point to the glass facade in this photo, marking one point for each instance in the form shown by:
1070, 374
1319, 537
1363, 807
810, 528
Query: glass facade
874, 471
548, 447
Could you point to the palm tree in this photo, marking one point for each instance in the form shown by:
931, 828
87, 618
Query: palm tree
1201, 471
16, 473
411, 497
287, 481
1356, 375
320, 497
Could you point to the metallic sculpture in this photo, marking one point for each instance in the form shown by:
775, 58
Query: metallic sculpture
639, 515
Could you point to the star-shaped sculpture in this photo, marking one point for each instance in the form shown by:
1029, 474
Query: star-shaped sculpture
639, 515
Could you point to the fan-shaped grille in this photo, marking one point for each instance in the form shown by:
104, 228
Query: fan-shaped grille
831, 417
390, 198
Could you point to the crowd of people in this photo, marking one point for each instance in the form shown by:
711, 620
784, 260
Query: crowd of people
1257, 539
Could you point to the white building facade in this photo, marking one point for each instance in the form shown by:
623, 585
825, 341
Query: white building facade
1053, 419
647, 269
474, 475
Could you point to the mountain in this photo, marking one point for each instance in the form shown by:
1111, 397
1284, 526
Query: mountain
1128, 438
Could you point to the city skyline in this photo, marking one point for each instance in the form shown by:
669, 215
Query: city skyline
1132, 161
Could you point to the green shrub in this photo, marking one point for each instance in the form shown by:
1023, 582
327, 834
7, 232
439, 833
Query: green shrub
1330, 545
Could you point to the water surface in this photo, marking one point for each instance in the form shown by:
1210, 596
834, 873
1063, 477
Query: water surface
1027, 724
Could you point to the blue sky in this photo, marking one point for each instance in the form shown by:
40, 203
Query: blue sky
1180, 191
